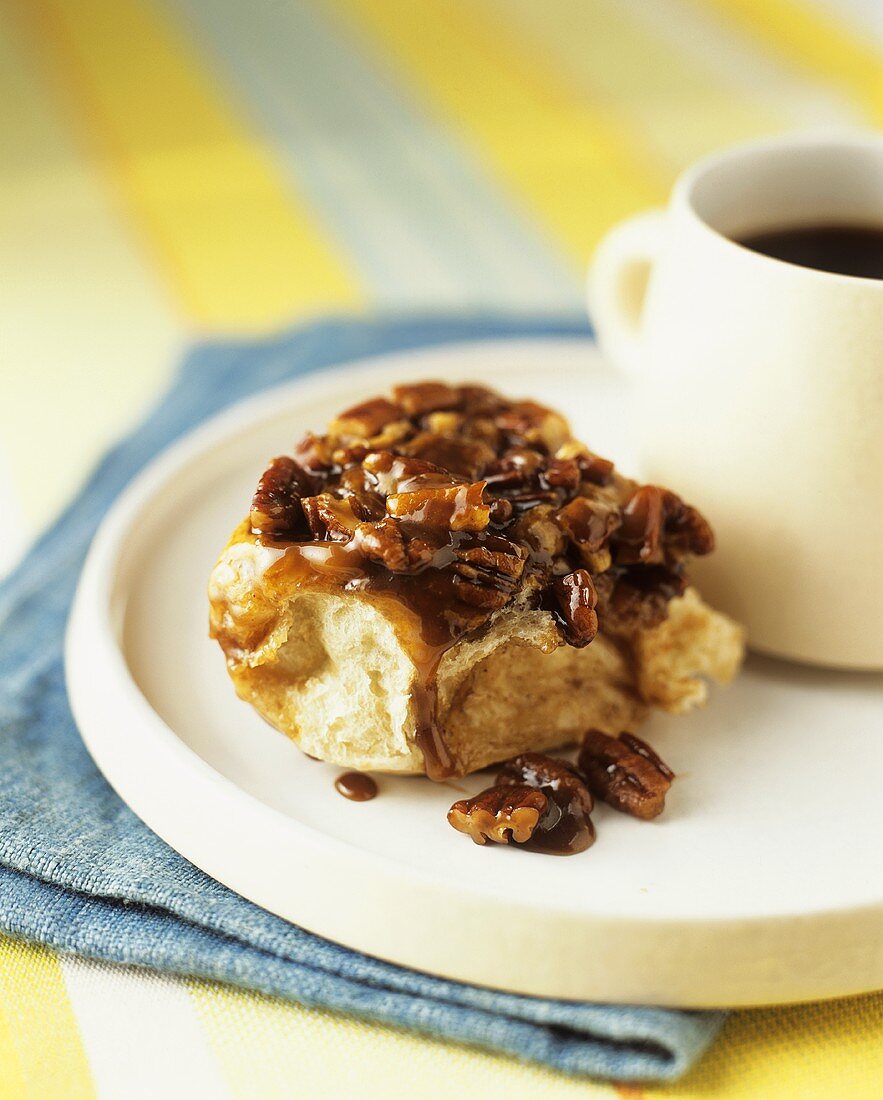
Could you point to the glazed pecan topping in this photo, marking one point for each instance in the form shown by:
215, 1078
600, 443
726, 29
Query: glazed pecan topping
492, 503
488, 573
657, 527
534, 424
589, 524
642, 595
366, 419
643, 749
386, 544
391, 473
481, 401
595, 470
541, 532
426, 397
576, 598
276, 507
626, 773
501, 511
369, 507
315, 453
563, 473
330, 517
457, 507
517, 470
463, 457
446, 424
499, 560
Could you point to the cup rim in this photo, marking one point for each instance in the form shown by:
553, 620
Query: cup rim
682, 196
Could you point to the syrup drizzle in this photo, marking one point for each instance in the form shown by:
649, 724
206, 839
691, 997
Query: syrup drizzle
356, 786
411, 603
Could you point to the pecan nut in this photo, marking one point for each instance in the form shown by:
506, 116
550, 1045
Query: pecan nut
566, 828
486, 574
658, 527
390, 473
276, 504
589, 524
563, 474
626, 773
329, 518
500, 813
515, 471
495, 561
648, 752
426, 397
541, 533
592, 468
641, 595
384, 542
366, 419
576, 599
315, 454
479, 401
456, 507
534, 424
596, 470
463, 457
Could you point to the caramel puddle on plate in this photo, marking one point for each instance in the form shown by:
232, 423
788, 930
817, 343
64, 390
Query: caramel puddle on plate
356, 786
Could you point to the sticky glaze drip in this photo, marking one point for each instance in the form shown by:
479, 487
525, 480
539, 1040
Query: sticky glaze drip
563, 831
417, 606
356, 786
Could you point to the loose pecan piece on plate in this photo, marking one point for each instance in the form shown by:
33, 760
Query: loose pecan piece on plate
626, 773
499, 813
570, 830
541, 803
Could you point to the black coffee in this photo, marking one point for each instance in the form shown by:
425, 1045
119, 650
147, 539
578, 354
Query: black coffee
841, 249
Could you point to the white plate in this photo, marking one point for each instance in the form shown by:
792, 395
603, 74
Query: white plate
762, 882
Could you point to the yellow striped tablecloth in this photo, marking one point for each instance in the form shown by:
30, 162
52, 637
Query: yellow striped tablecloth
176, 167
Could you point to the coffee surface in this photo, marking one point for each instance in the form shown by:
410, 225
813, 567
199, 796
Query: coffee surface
840, 249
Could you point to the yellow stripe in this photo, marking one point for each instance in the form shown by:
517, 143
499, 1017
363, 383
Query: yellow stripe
811, 39
66, 257
568, 159
818, 1051
42, 1028
239, 248
12, 1079
679, 108
268, 1048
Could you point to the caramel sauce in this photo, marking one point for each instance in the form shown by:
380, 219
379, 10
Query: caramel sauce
356, 786
417, 606
563, 831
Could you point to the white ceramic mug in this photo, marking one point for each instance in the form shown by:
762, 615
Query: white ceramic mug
759, 387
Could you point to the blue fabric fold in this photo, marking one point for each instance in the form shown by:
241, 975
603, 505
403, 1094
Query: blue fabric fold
80, 873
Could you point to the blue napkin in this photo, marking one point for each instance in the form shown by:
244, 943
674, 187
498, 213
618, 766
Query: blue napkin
79, 872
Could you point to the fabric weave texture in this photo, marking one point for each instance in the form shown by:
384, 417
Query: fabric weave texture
80, 873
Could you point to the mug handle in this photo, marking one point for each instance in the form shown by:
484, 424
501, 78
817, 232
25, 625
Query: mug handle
617, 285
